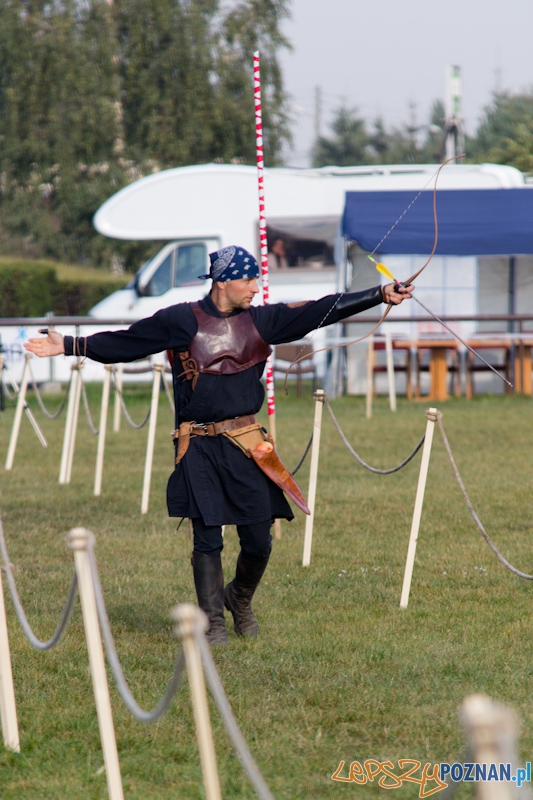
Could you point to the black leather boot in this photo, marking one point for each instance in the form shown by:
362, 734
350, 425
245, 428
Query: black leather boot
238, 594
209, 583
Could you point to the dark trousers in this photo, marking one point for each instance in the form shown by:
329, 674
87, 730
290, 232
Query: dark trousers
255, 539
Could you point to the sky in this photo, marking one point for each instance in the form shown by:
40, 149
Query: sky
380, 56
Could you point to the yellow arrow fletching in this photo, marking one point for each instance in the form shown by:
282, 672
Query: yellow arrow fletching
384, 271
382, 268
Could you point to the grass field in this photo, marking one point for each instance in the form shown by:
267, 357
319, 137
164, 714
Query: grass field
338, 672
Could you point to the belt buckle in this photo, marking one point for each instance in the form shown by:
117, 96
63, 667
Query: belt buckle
205, 426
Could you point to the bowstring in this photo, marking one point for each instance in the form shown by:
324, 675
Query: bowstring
434, 177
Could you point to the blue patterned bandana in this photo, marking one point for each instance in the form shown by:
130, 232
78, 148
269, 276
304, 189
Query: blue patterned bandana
231, 264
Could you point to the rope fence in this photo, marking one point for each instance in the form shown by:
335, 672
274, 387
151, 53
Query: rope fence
11, 395
490, 727
48, 414
359, 459
433, 417
122, 686
76, 389
191, 627
471, 509
194, 655
321, 400
304, 455
93, 428
76, 393
119, 393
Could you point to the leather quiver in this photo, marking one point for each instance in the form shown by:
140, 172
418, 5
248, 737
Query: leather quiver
269, 462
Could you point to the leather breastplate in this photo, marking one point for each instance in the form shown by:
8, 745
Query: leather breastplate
223, 345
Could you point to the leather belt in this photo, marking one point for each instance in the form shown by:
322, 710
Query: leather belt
188, 429
267, 460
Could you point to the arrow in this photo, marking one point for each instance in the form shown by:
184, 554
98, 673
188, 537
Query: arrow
385, 271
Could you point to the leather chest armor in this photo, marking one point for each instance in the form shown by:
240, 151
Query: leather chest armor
223, 345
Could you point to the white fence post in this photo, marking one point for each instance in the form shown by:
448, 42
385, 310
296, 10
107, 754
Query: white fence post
70, 423
370, 358
187, 616
118, 397
80, 539
390, 370
319, 396
417, 513
22, 406
74, 424
8, 709
102, 431
491, 729
158, 371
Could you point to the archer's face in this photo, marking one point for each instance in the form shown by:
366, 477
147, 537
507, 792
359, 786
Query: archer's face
240, 293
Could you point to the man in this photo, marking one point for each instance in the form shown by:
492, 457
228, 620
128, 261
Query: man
277, 257
219, 347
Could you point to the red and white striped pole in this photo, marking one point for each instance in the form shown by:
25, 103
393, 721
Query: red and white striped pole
263, 233
271, 402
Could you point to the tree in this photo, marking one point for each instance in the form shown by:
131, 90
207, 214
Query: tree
350, 145
505, 135
187, 79
518, 151
433, 148
166, 64
94, 95
250, 26
57, 123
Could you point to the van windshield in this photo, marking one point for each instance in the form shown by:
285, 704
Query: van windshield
191, 261
181, 267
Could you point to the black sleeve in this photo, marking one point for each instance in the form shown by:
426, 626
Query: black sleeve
170, 328
286, 322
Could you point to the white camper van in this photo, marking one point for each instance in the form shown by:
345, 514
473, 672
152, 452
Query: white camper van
199, 209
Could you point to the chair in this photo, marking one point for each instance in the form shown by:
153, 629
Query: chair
400, 346
286, 354
496, 349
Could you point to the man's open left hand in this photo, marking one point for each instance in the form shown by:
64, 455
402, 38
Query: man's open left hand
52, 345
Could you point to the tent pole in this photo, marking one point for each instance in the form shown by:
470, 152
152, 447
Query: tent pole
512, 310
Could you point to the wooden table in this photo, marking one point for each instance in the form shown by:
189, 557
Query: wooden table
438, 366
483, 345
522, 364
522, 360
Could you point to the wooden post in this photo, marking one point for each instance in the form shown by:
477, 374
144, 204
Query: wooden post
2, 363
187, 616
491, 731
369, 376
158, 371
8, 709
102, 431
74, 430
390, 370
73, 398
319, 396
79, 540
417, 513
22, 406
118, 395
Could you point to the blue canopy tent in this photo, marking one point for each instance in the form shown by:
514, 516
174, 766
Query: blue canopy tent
471, 221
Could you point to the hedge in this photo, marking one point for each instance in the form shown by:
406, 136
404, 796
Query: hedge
32, 289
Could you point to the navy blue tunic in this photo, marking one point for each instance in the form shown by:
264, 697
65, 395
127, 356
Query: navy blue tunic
215, 480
